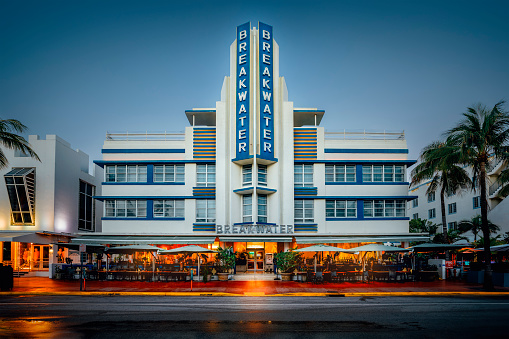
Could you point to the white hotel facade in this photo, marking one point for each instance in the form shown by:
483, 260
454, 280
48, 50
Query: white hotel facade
254, 172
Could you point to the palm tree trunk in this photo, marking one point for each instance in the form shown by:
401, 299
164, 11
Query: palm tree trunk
444, 221
488, 278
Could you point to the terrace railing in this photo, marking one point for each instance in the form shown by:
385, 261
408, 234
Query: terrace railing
365, 135
145, 136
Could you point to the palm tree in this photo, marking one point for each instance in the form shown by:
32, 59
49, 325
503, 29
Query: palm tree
438, 164
481, 134
9, 138
474, 225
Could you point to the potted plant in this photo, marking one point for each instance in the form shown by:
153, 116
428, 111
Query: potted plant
225, 260
207, 274
287, 262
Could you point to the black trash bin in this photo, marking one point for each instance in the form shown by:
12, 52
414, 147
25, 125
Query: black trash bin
6, 278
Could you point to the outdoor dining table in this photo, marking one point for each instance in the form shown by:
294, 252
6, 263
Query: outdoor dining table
377, 275
130, 275
172, 275
354, 274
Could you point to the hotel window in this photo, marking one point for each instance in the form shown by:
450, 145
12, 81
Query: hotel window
340, 173
431, 196
169, 209
340, 208
432, 213
415, 216
205, 210
452, 226
383, 173
477, 202
125, 208
262, 208
384, 208
126, 173
262, 175
304, 211
247, 175
86, 208
20, 184
247, 208
303, 175
415, 202
206, 175
169, 173
452, 208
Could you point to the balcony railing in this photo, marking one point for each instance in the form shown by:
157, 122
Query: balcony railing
495, 187
145, 136
365, 135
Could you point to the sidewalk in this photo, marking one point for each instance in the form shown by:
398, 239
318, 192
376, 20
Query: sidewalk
42, 285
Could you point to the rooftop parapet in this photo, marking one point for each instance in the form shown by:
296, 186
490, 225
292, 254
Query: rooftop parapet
365, 135
145, 136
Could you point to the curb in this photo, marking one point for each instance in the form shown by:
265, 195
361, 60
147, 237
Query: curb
261, 294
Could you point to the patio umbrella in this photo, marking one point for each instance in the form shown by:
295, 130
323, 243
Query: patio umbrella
376, 248
189, 249
322, 248
135, 248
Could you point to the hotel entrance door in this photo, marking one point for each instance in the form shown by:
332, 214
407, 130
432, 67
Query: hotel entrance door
40, 258
255, 260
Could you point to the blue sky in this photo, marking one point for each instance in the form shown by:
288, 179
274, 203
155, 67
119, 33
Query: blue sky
81, 68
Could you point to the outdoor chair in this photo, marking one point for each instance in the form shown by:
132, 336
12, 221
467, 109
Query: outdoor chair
318, 279
309, 276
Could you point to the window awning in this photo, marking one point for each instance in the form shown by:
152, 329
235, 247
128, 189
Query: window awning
362, 238
98, 238
255, 239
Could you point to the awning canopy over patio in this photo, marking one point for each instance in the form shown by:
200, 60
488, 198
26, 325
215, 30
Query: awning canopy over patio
322, 248
361, 238
141, 239
436, 247
131, 249
255, 239
377, 248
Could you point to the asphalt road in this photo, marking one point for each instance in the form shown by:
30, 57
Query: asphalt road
258, 317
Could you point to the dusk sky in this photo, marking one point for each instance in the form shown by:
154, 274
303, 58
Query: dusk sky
81, 68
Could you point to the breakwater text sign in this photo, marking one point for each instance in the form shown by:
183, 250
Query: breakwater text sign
254, 229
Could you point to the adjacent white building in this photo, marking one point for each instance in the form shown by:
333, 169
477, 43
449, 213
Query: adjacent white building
45, 202
464, 205
254, 171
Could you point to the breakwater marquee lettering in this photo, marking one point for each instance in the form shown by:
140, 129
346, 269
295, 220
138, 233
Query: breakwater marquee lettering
242, 89
266, 91
254, 229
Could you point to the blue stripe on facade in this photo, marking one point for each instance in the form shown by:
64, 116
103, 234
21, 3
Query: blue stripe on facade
148, 150
365, 150
402, 197
146, 162
143, 183
366, 219
388, 162
147, 218
180, 197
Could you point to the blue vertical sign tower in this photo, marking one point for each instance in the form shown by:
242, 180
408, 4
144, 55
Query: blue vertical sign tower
242, 90
266, 91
